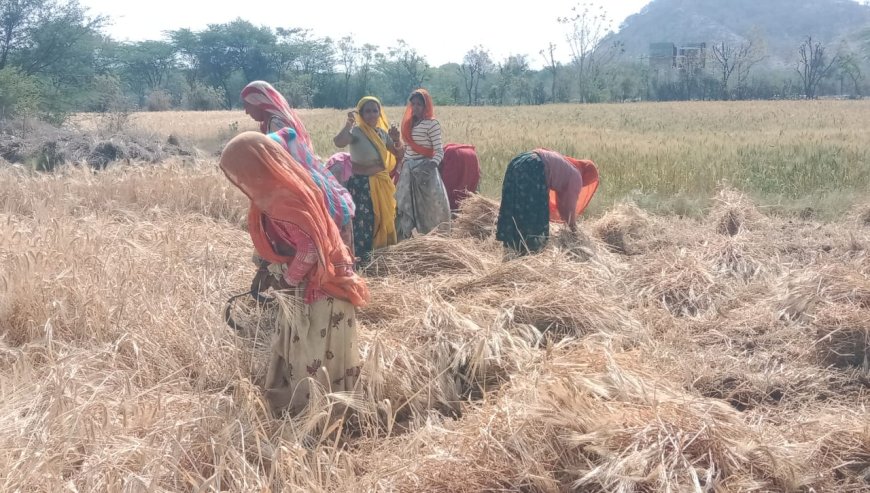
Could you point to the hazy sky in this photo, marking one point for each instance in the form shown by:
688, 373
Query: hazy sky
441, 30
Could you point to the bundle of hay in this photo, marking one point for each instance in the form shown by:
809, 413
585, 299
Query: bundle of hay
392, 300
735, 257
576, 245
477, 218
762, 379
680, 282
834, 283
835, 442
860, 214
432, 255
733, 212
433, 356
843, 331
622, 228
578, 306
583, 421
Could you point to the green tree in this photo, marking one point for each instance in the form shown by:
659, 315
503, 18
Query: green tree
146, 66
19, 93
404, 69
38, 34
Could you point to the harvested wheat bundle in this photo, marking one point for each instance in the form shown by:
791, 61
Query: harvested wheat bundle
733, 212
579, 423
484, 451
802, 243
476, 219
578, 246
392, 299
434, 356
735, 257
838, 283
761, 379
835, 443
622, 228
680, 282
749, 328
574, 307
522, 275
664, 444
860, 215
432, 255
843, 332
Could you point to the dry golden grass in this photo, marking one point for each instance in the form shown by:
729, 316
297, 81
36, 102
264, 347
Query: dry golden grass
684, 356
724, 348
810, 156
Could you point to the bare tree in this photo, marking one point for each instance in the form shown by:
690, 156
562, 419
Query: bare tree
476, 64
739, 57
850, 67
348, 55
755, 52
552, 67
813, 66
724, 54
589, 52
366, 59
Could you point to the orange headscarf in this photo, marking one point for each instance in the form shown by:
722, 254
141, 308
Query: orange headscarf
283, 190
408, 122
589, 175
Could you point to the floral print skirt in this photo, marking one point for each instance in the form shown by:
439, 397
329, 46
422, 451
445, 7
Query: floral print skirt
364, 220
524, 214
313, 344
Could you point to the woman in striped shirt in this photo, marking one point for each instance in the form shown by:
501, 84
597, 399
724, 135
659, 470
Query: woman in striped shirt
420, 194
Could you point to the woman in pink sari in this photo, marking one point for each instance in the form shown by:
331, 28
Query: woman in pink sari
267, 106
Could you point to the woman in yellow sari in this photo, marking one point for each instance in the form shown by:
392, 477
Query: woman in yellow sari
375, 148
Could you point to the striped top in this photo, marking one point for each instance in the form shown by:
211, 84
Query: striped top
427, 133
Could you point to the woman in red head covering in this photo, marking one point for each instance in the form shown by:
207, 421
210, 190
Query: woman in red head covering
420, 194
291, 228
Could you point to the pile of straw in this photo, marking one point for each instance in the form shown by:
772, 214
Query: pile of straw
698, 362
477, 218
428, 255
843, 332
733, 212
680, 282
622, 228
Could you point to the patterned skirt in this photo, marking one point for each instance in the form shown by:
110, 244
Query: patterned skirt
364, 220
313, 344
422, 200
524, 215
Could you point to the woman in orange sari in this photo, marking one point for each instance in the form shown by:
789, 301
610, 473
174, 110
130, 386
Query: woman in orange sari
290, 226
422, 199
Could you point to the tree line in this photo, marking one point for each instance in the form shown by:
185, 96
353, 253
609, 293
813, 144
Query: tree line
55, 59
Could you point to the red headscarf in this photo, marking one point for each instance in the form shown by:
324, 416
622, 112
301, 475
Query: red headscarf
408, 122
283, 190
262, 95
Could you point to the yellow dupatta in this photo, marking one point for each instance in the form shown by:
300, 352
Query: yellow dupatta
382, 188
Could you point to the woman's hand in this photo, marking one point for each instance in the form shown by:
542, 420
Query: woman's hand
395, 135
351, 119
